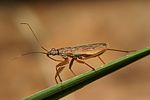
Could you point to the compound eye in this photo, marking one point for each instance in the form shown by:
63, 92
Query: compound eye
53, 49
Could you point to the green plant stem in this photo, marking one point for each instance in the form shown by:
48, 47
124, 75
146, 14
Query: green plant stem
62, 89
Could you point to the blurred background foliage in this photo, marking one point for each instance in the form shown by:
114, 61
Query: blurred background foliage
122, 24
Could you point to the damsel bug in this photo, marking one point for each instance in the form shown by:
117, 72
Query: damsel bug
77, 53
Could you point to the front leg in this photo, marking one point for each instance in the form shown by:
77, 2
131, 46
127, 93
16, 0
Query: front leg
59, 69
54, 59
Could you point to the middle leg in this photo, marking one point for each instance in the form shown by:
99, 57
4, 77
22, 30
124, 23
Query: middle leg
70, 66
82, 62
86, 56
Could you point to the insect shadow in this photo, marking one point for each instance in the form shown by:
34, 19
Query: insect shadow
76, 53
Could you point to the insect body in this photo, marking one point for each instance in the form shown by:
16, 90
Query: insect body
71, 54
83, 49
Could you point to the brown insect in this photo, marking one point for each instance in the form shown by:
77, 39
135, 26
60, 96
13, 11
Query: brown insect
76, 53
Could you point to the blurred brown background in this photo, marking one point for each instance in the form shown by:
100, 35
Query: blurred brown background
123, 25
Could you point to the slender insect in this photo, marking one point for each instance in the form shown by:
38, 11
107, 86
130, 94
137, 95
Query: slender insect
71, 54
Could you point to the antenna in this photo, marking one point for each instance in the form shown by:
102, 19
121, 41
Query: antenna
28, 53
32, 53
35, 36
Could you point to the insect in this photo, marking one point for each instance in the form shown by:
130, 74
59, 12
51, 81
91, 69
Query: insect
71, 54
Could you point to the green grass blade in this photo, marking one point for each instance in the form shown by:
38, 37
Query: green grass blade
71, 85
